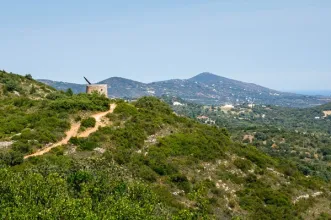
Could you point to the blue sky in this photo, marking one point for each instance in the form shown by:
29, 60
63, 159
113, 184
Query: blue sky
281, 44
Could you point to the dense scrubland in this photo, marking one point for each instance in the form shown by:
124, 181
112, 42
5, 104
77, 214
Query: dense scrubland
154, 164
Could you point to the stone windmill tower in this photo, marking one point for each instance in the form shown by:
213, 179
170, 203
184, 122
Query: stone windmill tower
100, 88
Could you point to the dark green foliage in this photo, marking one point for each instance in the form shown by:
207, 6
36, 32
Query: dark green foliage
266, 203
69, 92
254, 155
244, 165
28, 76
11, 86
69, 191
205, 144
88, 122
125, 110
147, 173
84, 143
78, 102
78, 118
11, 158
33, 90
153, 104
181, 181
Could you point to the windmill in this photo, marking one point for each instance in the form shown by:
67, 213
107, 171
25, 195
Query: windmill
100, 88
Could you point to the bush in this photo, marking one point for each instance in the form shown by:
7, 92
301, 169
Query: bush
153, 104
147, 173
11, 158
84, 143
88, 122
125, 110
28, 76
244, 165
78, 118
181, 181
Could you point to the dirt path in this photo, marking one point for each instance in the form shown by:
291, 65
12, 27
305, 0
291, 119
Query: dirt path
98, 123
74, 131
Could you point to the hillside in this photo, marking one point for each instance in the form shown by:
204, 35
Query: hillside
16, 85
146, 163
205, 88
142, 161
301, 135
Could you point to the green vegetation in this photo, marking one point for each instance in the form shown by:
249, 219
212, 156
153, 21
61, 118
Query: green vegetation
300, 135
17, 85
150, 163
156, 146
88, 122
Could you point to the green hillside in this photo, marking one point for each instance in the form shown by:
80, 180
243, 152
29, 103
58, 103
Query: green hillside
146, 162
16, 85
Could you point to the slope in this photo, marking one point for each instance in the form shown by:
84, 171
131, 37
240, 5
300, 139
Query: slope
16, 85
74, 131
157, 165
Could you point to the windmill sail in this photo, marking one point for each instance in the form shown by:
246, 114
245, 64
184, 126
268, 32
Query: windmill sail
87, 80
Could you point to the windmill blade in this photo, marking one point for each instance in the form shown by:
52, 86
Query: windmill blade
87, 80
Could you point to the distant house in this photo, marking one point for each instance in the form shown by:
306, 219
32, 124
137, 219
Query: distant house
177, 103
203, 117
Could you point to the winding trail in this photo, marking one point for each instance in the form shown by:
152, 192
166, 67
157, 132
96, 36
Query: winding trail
73, 132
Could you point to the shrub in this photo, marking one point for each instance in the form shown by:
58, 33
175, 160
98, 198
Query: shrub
153, 104
181, 181
11, 158
78, 118
83, 143
125, 110
88, 122
28, 76
147, 173
244, 165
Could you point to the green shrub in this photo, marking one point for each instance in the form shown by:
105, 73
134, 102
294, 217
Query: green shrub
147, 173
244, 165
78, 118
88, 122
11, 158
125, 110
153, 104
28, 76
181, 181
83, 143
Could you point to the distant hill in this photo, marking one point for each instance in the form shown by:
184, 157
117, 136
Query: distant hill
205, 88
76, 88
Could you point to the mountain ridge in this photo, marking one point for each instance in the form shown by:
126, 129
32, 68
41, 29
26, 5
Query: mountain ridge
204, 88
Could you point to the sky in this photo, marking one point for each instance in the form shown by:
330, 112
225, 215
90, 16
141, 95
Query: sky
280, 44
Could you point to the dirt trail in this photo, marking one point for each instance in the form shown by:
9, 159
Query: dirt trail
98, 123
74, 131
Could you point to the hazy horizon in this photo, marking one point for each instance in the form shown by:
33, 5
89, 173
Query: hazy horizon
276, 44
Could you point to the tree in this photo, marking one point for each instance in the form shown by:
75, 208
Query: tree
28, 76
69, 92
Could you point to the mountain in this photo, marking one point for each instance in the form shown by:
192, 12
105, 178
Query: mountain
76, 88
120, 87
205, 88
